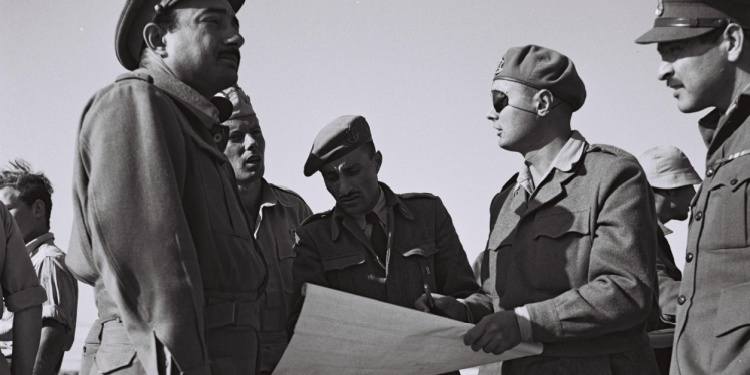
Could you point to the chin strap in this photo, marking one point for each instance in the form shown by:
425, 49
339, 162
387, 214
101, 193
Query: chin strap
691, 22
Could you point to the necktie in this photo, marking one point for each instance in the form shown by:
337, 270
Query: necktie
378, 238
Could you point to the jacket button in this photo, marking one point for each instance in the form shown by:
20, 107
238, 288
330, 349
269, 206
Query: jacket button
710, 172
681, 300
689, 257
217, 138
733, 182
698, 216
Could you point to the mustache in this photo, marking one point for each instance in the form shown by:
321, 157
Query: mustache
674, 83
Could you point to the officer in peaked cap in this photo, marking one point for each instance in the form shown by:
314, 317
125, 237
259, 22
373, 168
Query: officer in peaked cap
159, 229
376, 243
569, 264
705, 61
276, 212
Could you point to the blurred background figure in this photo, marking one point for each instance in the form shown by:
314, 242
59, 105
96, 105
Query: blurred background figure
28, 196
671, 177
275, 212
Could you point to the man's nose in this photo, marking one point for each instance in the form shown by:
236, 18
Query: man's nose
236, 39
666, 71
345, 187
250, 142
492, 115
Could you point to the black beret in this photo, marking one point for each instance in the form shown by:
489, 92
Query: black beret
543, 68
337, 139
134, 17
685, 19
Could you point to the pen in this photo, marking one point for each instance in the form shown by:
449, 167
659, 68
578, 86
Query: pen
430, 300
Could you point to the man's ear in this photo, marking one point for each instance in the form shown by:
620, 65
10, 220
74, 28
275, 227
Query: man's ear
153, 36
379, 160
735, 36
543, 101
38, 209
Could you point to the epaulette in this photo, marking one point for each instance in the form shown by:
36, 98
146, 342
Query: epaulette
318, 216
133, 75
286, 190
417, 195
511, 182
612, 150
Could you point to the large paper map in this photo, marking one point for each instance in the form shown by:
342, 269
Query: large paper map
341, 333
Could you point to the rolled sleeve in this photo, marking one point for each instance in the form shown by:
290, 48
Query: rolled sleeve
20, 286
61, 290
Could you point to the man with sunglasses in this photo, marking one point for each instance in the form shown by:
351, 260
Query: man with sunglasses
570, 258
705, 60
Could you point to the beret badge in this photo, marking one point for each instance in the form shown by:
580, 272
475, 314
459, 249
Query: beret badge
351, 135
500, 66
659, 8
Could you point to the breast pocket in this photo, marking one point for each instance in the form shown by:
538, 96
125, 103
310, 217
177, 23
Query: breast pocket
726, 211
341, 271
560, 250
285, 257
225, 210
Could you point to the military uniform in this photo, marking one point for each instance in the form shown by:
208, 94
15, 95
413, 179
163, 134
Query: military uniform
334, 252
281, 213
160, 233
712, 332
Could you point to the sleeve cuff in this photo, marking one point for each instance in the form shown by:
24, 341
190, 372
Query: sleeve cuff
524, 323
56, 314
26, 298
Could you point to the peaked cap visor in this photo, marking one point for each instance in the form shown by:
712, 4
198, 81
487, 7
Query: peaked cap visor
129, 33
685, 19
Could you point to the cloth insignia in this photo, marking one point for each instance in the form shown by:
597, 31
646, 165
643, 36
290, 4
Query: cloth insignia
659, 8
351, 135
500, 66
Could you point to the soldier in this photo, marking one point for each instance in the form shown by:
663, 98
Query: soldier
706, 60
570, 257
671, 177
276, 211
28, 196
375, 243
159, 229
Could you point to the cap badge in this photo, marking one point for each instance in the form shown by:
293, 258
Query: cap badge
351, 135
659, 8
500, 66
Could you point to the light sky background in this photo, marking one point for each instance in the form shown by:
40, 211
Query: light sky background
418, 70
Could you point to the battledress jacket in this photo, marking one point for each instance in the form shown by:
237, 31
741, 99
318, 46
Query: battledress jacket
712, 334
332, 251
580, 255
159, 230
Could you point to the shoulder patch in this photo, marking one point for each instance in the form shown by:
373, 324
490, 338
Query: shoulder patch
137, 76
314, 217
511, 182
609, 149
417, 195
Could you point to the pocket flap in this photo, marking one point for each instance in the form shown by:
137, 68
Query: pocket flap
114, 357
284, 250
342, 262
558, 224
733, 308
426, 249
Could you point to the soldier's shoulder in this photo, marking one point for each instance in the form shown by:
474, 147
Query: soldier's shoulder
287, 195
416, 196
317, 219
606, 153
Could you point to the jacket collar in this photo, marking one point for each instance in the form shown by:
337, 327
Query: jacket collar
36, 242
167, 82
392, 201
716, 128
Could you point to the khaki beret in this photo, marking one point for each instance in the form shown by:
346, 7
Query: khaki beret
667, 167
685, 19
543, 68
337, 139
134, 17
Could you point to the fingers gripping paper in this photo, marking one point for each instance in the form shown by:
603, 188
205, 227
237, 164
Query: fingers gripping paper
341, 333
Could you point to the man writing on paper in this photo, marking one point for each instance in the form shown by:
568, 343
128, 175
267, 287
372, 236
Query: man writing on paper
570, 258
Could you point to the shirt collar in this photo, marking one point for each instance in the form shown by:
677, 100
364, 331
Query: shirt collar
570, 154
167, 82
389, 199
34, 244
664, 228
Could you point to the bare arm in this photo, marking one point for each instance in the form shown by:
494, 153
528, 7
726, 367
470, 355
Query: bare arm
50, 347
27, 325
